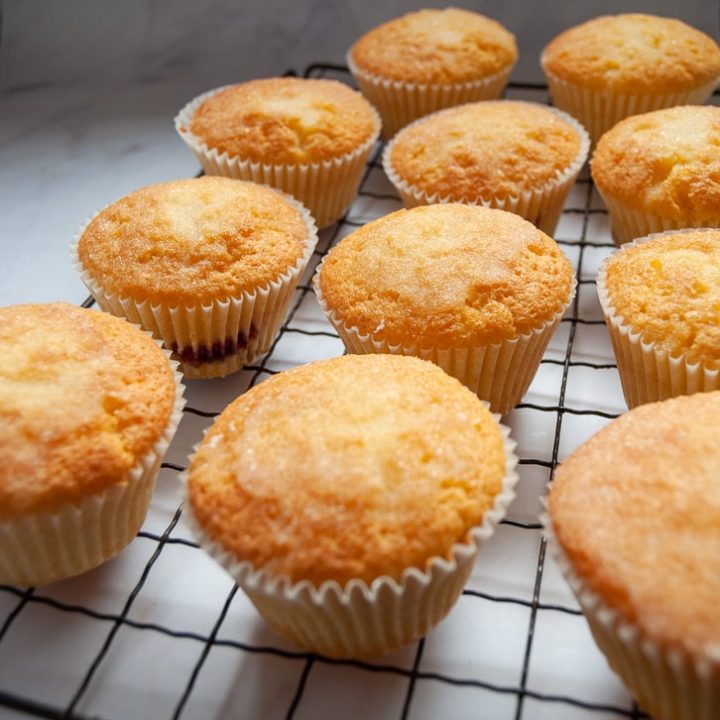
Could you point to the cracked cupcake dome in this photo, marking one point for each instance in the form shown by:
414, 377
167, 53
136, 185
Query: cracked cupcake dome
348, 498
660, 296
476, 290
208, 265
517, 156
88, 406
615, 66
431, 59
634, 524
660, 171
307, 137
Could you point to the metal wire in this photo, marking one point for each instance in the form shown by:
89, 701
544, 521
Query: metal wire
32, 597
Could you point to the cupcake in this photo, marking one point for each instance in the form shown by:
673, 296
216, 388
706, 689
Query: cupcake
516, 156
208, 265
634, 523
619, 65
661, 299
476, 291
431, 59
88, 406
309, 138
348, 498
660, 171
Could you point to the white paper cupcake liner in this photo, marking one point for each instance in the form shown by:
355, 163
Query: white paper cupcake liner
43, 547
498, 373
628, 224
220, 337
361, 620
668, 682
327, 188
599, 110
400, 103
649, 373
542, 206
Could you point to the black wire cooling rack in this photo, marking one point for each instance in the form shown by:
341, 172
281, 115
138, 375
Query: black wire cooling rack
161, 632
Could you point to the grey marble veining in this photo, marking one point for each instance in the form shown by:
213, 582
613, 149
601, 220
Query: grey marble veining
220, 41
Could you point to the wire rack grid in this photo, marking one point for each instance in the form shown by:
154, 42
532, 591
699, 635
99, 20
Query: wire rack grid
161, 631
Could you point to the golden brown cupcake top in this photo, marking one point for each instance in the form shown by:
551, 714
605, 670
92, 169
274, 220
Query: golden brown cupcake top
446, 275
480, 150
285, 121
355, 467
637, 511
83, 397
193, 241
664, 162
668, 289
436, 46
634, 53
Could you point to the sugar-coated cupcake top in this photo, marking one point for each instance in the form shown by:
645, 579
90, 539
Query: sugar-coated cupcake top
634, 53
350, 468
194, 240
446, 275
668, 289
436, 46
285, 121
494, 149
83, 397
664, 162
636, 510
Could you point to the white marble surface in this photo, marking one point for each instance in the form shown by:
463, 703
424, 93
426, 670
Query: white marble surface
64, 154
87, 95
